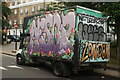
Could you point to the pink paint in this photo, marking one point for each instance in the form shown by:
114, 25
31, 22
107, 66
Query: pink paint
47, 13
38, 41
37, 17
49, 53
41, 52
73, 30
26, 51
31, 50
36, 46
30, 30
55, 12
68, 50
57, 35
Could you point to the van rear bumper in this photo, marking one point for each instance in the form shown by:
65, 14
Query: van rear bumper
95, 65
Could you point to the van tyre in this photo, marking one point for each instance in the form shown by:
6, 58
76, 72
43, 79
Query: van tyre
57, 69
20, 60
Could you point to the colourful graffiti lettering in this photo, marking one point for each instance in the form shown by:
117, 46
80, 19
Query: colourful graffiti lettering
91, 28
94, 51
53, 33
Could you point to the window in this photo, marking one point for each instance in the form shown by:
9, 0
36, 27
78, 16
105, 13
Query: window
21, 2
26, 0
33, 9
16, 3
26, 10
15, 11
10, 3
26, 41
10, 22
21, 21
15, 22
21, 11
39, 7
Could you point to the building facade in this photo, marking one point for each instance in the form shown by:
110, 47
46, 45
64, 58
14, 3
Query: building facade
24, 8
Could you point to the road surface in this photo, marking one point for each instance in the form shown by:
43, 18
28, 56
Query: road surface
12, 71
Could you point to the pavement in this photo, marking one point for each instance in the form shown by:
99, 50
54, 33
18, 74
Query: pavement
9, 49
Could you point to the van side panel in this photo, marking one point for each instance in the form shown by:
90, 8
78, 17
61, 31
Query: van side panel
52, 34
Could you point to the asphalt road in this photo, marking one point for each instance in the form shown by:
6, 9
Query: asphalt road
12, 71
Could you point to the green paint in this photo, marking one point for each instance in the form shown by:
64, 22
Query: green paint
35, 54
29, 22
55, 34
24, 55
68, 10
67, 27
27, 30
42, 16
92, 13
46, 38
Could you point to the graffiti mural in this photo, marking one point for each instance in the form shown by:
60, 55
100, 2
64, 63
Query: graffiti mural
91, 28
92, 33
94, 51
52, 34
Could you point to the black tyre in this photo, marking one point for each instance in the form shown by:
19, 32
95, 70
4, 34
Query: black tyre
20, 60
57, 69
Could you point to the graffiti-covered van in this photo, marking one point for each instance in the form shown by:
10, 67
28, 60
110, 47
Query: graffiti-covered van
74, 36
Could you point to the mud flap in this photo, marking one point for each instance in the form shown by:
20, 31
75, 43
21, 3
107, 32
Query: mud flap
66, 70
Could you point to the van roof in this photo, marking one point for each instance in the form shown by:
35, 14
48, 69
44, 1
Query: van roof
88, 9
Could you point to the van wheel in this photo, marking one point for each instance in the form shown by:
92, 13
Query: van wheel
57, 69
20, 60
